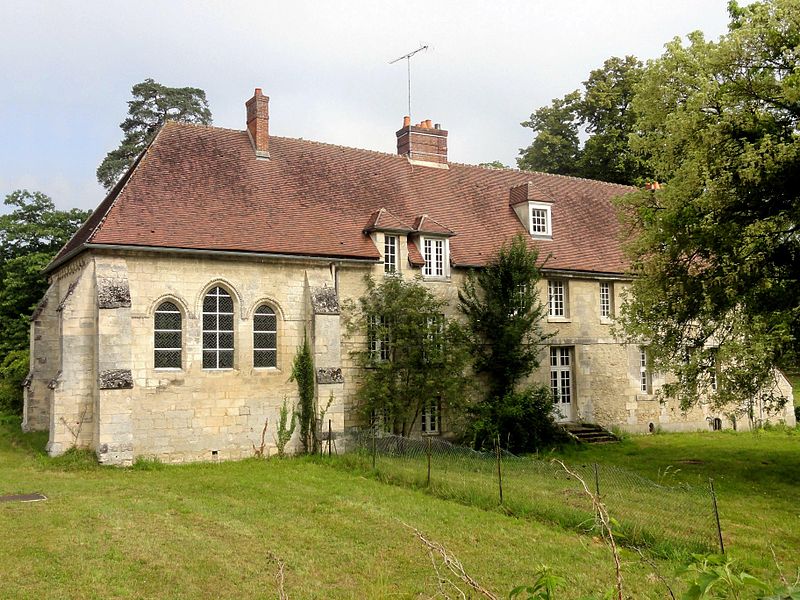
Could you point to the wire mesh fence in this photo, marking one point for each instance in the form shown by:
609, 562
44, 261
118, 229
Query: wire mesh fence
655, 514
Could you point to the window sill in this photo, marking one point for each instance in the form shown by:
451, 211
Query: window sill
559, 320
607, 320
431, 433
168, 369
442, 278
267, 369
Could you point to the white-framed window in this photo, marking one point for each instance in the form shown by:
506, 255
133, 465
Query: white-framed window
389, 253
557, 298
540, 219
265, 337
561, 374
606, 299
167, 336
431, 416
218, 330
434, 252
379, 339
644, 372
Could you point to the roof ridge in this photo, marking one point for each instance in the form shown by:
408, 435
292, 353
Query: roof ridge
516, 170
400, 156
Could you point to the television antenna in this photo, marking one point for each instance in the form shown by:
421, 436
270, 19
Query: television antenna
407, 57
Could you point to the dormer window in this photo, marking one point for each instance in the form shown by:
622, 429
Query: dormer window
389, 254
434, 252
533, 205
540, 222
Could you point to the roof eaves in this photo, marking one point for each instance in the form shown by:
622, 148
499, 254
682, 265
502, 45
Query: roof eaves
113, 194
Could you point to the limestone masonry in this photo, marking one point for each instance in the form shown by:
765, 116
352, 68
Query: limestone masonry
174, 314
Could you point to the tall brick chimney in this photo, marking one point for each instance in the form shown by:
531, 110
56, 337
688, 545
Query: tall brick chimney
258, 123
424, 143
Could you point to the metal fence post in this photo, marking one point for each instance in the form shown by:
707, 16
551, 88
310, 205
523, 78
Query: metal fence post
330, 440
374, 446
716, 515
429, 462
499, 470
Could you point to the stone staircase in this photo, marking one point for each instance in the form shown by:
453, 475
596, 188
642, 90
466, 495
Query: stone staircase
588, 433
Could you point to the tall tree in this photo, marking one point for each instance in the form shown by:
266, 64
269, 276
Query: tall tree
504, 315
30, 236
153, 105
717, 248
556, 147
603, 110
413, 355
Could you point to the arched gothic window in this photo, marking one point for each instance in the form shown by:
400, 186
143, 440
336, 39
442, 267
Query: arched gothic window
167, 340
218, 330
265, 337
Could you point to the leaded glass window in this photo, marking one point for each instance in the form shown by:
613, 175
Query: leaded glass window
218, 330
265, 337
167, 340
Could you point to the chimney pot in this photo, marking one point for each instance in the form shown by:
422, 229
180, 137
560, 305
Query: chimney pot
423, 147
258, 122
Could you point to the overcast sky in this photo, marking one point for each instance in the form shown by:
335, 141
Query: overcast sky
68, 67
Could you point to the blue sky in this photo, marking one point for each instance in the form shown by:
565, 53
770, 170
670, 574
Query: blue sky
68, 67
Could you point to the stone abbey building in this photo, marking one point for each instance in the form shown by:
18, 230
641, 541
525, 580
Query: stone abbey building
174, 313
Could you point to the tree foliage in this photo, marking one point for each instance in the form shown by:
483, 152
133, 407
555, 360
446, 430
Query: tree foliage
604, 111
504, 315
30, 236
413, 355
153, 105
303, 373
717, 248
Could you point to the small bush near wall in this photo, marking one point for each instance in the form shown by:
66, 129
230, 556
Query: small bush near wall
522, 419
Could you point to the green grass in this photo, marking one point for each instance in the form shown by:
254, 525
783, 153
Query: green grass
207, 530
756, 477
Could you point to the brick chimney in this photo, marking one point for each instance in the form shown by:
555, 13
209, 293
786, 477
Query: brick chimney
258, 123
423, 144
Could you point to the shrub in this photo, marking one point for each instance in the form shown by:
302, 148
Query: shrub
523, 420
13, 371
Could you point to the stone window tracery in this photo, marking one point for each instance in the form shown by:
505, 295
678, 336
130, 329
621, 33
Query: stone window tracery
218, 341
167, 336
265, 337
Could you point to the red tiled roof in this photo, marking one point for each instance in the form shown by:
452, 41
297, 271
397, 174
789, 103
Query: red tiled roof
426, 224
202, 187
383, 220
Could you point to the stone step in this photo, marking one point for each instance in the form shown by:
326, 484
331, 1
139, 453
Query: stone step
589, 433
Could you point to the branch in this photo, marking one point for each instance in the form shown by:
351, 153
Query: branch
452, 563
605, 522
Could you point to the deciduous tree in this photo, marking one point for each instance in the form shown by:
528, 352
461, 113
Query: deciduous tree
603, 110
30, 235
413, 355
717, 248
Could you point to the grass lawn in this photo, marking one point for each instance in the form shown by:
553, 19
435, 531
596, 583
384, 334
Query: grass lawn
756, 476
207, 530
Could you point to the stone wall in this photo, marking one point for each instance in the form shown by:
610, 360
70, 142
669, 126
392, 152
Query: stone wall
94, 383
